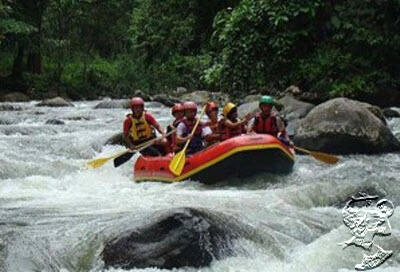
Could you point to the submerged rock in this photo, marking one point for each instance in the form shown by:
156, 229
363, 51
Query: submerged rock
113, 104
345, 126
9, 107
55, 122
180, 237
391, 113
55, 102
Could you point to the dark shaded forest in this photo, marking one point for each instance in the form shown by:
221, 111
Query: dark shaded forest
85, 49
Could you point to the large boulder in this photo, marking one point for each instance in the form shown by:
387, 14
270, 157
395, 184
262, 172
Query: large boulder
182, 237
294, 111
113, 104
116, 139
345, 126
246, 108
251, 98
167, 100
202, 97
15, 97
293, 108
55, 102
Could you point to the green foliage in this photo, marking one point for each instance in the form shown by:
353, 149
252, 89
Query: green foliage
342, 48
92, 48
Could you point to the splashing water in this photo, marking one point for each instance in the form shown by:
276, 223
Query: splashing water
55, 216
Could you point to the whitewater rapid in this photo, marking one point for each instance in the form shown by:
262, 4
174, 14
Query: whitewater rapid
56, 216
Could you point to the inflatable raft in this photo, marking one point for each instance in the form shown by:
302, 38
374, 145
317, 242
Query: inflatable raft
238, 157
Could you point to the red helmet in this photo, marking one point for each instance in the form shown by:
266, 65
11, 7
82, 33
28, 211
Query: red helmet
177, 107
137, 101
210, 106
190, 105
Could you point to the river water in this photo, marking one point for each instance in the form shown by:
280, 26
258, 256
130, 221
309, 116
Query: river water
56, 216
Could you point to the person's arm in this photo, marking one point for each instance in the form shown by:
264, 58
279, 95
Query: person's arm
230, 124
127, 138
152, 121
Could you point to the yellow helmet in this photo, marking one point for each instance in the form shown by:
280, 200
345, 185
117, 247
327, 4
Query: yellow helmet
227, 109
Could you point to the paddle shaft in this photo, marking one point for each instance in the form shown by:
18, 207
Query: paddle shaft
127, 155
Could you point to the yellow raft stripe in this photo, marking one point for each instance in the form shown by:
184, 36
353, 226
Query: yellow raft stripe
216, 160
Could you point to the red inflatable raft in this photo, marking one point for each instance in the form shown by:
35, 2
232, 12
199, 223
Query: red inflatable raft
241, 156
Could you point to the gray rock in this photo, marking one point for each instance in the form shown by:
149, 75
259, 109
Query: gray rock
15, 97
113, 104
251, 98
294, 109
166, 100
293, 90
244, 109
183, 237
154, 104
345, 126
9, 107
375, 110
116, 139
142, 94
181, 90
391, 113
202, 97
55, 122
55, 102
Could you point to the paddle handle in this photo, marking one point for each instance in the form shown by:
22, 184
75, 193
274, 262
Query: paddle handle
194, 129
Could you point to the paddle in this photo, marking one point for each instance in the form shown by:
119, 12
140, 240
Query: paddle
127, 156
96, 163
324, 157
178, 161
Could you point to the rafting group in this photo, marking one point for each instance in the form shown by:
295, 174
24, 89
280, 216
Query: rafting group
139, 126
218, 149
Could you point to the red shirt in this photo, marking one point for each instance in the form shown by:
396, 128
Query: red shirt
149, 118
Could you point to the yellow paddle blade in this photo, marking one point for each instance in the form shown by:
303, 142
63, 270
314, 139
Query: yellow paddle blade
324, 157
177, 163
96, 163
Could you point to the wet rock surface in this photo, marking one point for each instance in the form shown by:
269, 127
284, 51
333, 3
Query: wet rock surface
178, 238
345, 126
55, 102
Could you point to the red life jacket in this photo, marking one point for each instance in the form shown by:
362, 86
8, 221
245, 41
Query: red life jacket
266, 126
227, 133
190, 125
196, 144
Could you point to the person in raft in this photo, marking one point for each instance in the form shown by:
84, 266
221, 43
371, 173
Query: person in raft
178, 112
213, 123
186, 126
231, 125
268, 121
139, 127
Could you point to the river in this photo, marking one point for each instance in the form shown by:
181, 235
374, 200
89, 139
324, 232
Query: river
56, 216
